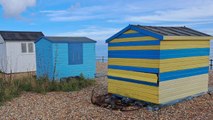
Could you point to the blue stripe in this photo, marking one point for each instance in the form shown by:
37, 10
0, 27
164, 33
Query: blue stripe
136, 69
137, 43
131, 35
182, 73
132, 81
192, 50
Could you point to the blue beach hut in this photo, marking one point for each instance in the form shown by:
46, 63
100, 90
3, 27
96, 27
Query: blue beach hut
158, 64
59, 57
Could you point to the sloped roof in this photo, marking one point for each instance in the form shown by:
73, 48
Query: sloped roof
20, 35
165, 33
172, 31
69, 39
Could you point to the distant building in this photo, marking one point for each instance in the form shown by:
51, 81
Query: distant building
158, 64
17, 52
58, 57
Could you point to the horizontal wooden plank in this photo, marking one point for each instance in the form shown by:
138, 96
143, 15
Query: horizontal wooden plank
132, 81
183, 81
148, 63
130, 31
153, 47
136, 69
131, 91
187, 59
131, 35
137, 43
180, 96
182, 66
183, 38
182, 73
132, 39
134, 86
172, 43
147, 77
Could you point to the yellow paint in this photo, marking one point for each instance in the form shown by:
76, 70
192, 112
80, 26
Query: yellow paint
149, 63
133, 39
154, 47
130, 31
186, 60
182, 87
141, 87
148, 77
132, 90
182, 66
174, 43
182, 81
168, 47
183, 38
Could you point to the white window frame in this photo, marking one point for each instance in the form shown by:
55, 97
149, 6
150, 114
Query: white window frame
27, 48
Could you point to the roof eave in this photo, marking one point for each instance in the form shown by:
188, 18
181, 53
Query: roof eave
187, 38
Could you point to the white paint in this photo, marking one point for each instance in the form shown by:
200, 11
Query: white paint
16, 60
211, 50
3, 58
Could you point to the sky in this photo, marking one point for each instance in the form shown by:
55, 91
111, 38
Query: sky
100, 19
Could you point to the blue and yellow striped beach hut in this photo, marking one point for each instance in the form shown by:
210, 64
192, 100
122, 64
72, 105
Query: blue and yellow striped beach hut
158, 64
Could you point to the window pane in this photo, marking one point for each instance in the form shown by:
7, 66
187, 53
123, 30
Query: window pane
75, 54
23, 47
30, 48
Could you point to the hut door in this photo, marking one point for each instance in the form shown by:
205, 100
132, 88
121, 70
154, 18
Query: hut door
75, 53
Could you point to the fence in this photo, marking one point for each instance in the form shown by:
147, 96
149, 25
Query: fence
101, 59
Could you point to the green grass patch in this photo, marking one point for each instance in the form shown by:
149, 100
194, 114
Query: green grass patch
13, 88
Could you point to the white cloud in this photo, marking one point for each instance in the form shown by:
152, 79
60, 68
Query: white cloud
13, 8
97, 33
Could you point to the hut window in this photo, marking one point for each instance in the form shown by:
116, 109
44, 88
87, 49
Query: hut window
30, 48
23, 47
75, 53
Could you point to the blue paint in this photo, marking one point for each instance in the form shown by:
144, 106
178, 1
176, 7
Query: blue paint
132, 81
58, 60
44, 62
146, 32
136, 69
138, 43
131, 35
182, 73
75, 53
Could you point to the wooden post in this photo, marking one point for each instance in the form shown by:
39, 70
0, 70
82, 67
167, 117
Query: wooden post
211, 64
102, 58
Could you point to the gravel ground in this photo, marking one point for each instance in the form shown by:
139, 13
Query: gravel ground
77, 105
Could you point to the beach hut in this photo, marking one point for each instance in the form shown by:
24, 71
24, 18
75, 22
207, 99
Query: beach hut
59, 57
158, 64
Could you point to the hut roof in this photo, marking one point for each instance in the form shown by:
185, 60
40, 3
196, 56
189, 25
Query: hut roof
20, 35
69, 39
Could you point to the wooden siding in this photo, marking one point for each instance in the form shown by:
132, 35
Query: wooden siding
183, 69
63, 69
44, 59
133, 66
182, 87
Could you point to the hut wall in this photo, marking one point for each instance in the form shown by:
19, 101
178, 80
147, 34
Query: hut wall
44, 58
133, 66
64, 69
183, 69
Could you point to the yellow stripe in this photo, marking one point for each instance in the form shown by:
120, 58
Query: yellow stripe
154, 47
147, 38
149, 63
130, 31
182, 87
186, 38
183, 65
132, 90
169, 43
188, 59
133, 75
183, 47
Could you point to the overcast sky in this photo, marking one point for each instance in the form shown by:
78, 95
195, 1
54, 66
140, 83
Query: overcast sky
100, 19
